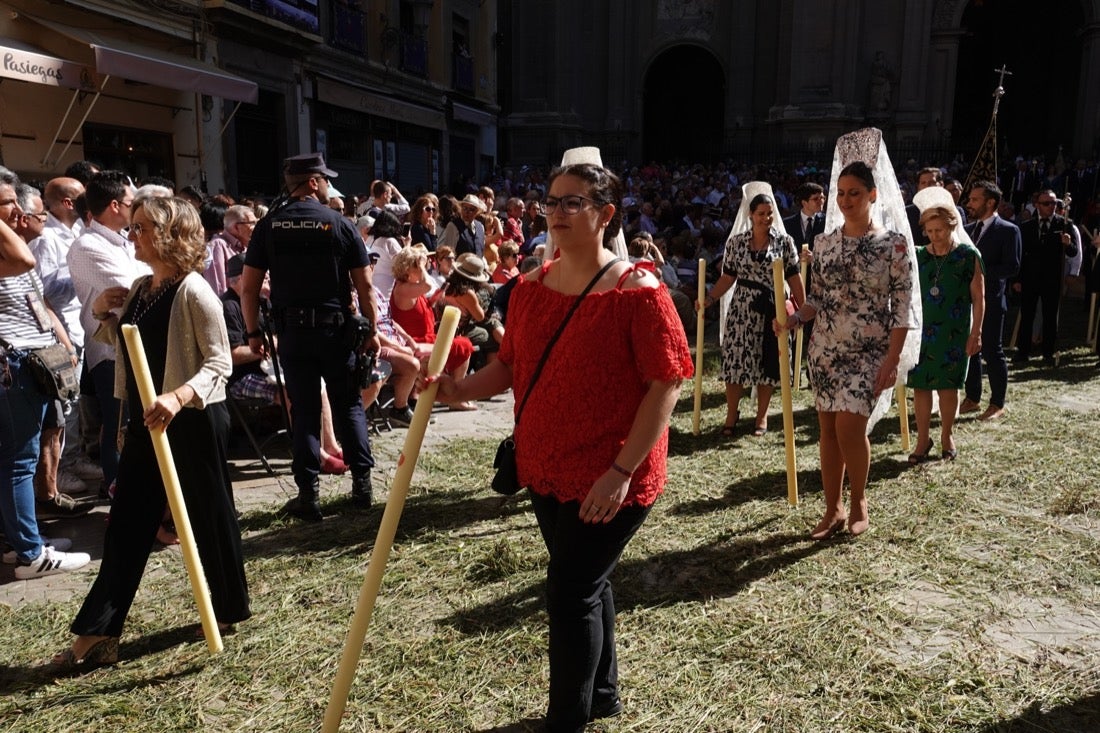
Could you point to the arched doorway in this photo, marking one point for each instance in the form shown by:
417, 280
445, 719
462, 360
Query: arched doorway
1043, 52
685, 90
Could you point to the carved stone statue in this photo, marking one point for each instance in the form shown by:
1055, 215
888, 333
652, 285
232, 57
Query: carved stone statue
881, 86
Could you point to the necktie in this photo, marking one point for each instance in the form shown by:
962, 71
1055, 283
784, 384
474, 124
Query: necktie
978, 231
1044, 227
806, 228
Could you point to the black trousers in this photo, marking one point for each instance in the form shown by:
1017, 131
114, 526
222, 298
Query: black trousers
198, 439
584, 673
1050, 293
993, 353
309, 355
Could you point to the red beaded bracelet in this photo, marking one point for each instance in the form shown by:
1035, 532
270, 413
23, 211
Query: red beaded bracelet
619, 469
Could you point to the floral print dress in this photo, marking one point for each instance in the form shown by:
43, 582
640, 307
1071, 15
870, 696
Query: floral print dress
745, 358
861, 289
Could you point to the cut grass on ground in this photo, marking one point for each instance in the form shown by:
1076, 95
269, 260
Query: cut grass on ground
971, 605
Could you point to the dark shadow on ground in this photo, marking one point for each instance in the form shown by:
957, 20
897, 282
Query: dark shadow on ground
348, 526
14, 679
719, 569
1079, 716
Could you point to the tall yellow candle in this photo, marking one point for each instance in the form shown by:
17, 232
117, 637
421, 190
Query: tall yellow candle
387, 529
805, 268
1090, 334
785, 382
140, 365
699, 326
903, 416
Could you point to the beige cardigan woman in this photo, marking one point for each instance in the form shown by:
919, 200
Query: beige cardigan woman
198, 346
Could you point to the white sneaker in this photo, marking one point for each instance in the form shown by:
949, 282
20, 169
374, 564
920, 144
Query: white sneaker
68, 483
85, 469
51, 563
61, 544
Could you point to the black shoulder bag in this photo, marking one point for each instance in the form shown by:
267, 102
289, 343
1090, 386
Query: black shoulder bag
52, 366
506, 479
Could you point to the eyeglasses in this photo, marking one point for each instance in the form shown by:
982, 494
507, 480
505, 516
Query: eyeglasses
430, 208
247, 223
570, 205
127, 204
320, 178
137, 229
41, 217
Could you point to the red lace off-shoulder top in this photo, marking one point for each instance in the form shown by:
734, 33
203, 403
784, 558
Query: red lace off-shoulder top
585, 402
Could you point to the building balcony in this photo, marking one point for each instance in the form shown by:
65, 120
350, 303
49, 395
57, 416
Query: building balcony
414, 55
463, 72
348, 32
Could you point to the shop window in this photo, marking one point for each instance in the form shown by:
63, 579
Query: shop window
139, 153
462, 59
348, 27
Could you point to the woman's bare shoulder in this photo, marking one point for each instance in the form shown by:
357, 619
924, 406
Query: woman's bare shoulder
639, 279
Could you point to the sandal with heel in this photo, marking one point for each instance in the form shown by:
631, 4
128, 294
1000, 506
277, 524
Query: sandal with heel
103, 653
730, 430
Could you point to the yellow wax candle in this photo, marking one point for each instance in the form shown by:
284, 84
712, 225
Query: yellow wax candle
699, 318
140, 365
785, 382
387, 529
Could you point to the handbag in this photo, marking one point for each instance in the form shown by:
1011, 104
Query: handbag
506, 479
54, 373
52, 366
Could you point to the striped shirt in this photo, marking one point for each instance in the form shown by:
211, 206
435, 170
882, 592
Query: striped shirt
18, 325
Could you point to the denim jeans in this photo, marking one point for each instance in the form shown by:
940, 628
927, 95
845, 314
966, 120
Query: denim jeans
584, 673
22, 407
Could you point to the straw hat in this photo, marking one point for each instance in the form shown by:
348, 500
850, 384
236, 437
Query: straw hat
472, 200
472, 267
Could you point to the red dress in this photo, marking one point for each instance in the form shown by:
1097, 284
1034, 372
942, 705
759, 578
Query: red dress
584, 404
419, 322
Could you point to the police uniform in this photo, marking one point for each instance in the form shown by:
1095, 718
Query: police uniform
309, 251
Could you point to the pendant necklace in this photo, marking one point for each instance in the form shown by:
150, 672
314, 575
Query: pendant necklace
934, 291
150, 296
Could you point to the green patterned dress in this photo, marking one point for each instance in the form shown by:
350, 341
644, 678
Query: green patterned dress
945, 298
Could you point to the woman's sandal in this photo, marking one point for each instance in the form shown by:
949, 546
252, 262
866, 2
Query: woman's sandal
730, 430
104, 652
828, 532
760, 431
915, 459
949, 454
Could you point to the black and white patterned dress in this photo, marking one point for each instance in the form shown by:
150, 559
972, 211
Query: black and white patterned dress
752, 308
861, 288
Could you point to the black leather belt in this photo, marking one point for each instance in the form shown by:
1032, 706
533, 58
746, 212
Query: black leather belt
309, 317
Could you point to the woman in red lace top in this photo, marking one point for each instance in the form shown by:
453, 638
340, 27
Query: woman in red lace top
592, 440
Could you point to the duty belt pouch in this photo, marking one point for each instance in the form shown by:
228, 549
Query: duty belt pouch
53, 370
355, 332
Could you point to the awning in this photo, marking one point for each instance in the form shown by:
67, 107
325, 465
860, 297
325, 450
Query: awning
159, 68
25, 62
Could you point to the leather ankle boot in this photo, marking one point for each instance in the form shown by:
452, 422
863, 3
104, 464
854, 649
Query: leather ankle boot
361, 489
306, 505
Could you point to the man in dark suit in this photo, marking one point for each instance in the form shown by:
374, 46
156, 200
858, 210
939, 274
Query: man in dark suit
1020, 183
926, 178
1047, 242
805, 224
808, 221
999, 243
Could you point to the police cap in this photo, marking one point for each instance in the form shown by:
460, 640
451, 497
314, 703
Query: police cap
298, 165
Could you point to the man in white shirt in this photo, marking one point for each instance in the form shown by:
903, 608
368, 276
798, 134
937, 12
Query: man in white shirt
55, 478
102, 258
385, 196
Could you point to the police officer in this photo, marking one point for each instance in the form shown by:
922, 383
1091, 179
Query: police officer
314, 257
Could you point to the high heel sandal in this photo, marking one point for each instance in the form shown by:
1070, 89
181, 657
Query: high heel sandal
824, 534
915, 459
729, 430
104, 652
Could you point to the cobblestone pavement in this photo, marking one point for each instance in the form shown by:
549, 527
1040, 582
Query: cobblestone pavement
253, 489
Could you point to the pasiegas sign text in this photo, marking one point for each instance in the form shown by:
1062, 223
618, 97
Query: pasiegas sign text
39, 68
